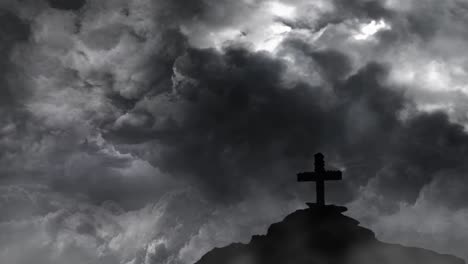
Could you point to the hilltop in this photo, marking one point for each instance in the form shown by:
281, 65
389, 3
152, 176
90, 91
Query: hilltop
321, 234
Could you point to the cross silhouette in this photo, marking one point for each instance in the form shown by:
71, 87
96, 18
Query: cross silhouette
319, 176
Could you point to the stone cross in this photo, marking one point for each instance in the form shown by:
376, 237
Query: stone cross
319, 176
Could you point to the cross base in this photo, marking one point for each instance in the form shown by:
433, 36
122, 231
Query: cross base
341, 209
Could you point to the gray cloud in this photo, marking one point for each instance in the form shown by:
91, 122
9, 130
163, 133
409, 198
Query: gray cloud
13, 30
109, 111
67, 5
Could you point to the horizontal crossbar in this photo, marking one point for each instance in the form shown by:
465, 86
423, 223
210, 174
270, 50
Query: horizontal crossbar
322, 176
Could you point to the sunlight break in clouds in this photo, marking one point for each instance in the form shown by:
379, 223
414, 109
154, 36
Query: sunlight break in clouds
368, 30
282, 10
277, 33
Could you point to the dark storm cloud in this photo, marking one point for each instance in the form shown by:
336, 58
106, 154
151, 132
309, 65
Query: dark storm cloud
333, 66
13, 118
425, 147
48, 149
233, 122
242, 123
13, 30
158, 69
374, 9
209, 14
67, 4
237, 119
242, 126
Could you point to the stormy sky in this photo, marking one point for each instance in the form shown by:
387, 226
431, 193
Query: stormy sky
150, 131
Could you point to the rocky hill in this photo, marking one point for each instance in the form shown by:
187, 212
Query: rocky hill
321, 235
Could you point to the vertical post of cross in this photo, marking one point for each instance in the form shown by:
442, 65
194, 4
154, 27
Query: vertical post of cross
319, 164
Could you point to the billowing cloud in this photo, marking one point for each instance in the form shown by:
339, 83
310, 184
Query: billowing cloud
67, 5
150, 131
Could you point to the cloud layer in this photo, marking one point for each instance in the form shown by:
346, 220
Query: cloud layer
150, 131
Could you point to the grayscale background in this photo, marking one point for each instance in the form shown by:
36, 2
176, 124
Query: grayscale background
151, 131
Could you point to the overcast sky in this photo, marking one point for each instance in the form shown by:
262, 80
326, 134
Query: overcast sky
150, 131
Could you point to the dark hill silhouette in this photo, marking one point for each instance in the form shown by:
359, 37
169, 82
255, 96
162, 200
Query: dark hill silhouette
321, 234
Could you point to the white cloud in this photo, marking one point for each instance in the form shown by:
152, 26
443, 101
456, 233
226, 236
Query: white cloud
282, 10
367, 30
271, 38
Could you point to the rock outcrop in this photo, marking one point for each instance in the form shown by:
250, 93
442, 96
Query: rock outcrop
321, 235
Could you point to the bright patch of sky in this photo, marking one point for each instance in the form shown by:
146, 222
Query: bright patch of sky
367, 30
262, 31
281, 10
433, 75
272, 37
448, 107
